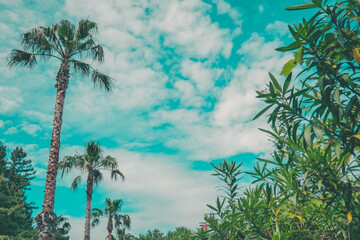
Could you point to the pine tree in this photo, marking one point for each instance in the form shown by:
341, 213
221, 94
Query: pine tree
2, 159
15, 211
21, 171
15, 217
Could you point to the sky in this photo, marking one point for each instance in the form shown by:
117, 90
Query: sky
185, 73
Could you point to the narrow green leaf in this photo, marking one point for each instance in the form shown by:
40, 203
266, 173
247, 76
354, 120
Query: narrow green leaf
318, 132
340, 37
262, 111
292, 46
301, 7
275, 82
318, 3
337, 96
287, 83
307, 135
337, 146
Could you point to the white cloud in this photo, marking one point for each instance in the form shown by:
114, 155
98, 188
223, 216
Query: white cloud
201, 76
31, 129
222, 6
225, 8
188, 94
11, 131
43, 118
226, 131
14, 3
77, 228
10, 99
186, 24
278, 27
257, 49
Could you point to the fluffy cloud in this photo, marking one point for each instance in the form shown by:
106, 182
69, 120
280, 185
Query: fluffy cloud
11, 131
225, 8
278, 27
31, 129
10, 99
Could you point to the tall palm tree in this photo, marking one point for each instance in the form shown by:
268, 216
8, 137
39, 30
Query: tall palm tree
66, 43
90, 163
111, 213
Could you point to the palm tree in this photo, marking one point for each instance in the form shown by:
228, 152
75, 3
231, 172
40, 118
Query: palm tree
122, 235
92, 162
66, 43
111, 213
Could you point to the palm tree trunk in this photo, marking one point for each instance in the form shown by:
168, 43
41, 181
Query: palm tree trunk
89, 192
110, 227
45, 220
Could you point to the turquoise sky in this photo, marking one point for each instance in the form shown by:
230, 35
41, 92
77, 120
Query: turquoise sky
186, 74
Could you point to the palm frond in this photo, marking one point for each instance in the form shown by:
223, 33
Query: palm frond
122, 220
98, 176
82, 48
95, 215
67, 164
95, 222
98, 52
117, 204
75, 183
108, 203
115, 173
51, 34
85, 28
66, 33
22, 58
126, 221
102, 80
36, 41
86, 164
81, 67
93, 149
109, 162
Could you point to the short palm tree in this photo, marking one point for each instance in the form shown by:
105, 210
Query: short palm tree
111, 213
90, 163
66, 43
63, 227
122, 235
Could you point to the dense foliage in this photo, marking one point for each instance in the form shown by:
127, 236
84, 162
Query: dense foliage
15, 211
309, 187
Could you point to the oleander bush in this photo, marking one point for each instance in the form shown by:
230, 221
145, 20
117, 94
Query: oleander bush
308, 188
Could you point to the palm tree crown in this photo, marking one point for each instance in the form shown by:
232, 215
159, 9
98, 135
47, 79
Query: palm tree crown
91, 162
111, 212
63, 41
